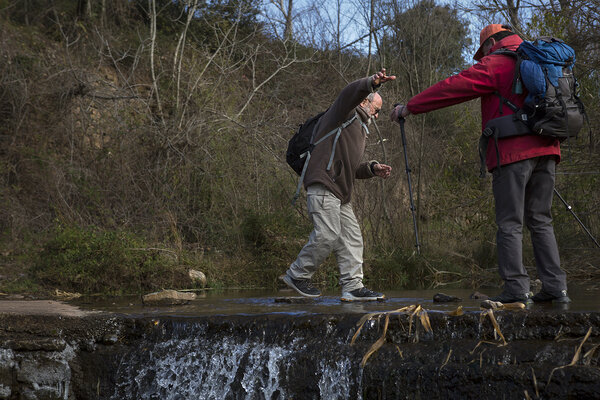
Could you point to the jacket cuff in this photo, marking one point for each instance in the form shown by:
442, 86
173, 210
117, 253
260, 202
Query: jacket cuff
373, 87
371, 164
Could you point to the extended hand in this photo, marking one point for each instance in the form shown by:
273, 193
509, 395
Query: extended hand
399, 111
381, 77
382, 170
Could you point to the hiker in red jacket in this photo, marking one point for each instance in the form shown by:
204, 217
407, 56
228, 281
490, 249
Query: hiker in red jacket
523, 178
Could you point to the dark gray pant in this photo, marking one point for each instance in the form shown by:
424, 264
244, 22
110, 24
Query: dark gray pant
523, 192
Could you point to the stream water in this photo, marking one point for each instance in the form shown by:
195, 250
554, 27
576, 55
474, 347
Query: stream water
252, 302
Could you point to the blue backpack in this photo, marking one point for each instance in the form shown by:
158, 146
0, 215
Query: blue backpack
552, 105
552, 108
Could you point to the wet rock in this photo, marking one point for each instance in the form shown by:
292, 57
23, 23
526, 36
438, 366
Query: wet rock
168, 297
479, 296
198, 277
293, 300
6, 365
13, 297
4, 392
44, 377
88, 345
110, 338
445, 298
43, 344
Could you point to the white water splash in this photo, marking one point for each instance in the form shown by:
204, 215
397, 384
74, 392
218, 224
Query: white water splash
187, 368
336, 380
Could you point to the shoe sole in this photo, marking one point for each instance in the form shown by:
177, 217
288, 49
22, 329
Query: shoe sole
288, 281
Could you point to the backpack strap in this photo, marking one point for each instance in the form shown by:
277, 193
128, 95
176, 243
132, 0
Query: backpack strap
365, 127
517, 85
337, 136
506, 101
301, 179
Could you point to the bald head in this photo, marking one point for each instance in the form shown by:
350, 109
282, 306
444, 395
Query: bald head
372, 105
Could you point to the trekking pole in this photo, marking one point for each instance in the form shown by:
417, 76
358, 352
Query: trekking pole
412, 204
577, 218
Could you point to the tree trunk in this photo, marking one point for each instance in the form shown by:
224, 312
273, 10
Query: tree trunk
103, 14
513, 14
371, 33
288, 33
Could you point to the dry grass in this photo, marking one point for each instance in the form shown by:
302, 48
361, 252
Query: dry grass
418, 311
576, 357
412, 311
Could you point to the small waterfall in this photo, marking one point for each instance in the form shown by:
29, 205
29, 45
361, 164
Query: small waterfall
191, 361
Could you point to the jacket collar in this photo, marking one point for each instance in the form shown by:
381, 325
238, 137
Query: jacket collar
362, 114
510, 43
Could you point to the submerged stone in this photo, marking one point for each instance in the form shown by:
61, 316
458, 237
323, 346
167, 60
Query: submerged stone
479, 296
294, 300
445, 298
168, 297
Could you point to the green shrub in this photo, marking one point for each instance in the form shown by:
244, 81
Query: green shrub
87, 260
403, 269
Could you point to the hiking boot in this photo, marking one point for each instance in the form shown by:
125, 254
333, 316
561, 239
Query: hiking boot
362, 294
561, 297
506, 297
302, 286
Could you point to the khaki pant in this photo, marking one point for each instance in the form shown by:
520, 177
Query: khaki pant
335, 230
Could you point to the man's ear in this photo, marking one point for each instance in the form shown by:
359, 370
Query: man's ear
492, 43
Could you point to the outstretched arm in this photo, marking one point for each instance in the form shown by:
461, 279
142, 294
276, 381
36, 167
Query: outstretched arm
350, 97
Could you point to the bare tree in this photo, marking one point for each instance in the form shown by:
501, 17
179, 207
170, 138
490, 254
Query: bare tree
152, 11
283, 17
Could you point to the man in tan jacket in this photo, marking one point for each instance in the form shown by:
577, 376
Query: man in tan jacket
329, 179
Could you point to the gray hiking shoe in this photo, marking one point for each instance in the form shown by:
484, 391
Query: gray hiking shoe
362, 294
302, 286
561, 297
506, 297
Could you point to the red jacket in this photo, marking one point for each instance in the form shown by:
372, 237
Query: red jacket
494, 72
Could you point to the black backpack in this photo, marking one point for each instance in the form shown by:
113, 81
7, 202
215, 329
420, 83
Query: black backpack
301, 144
